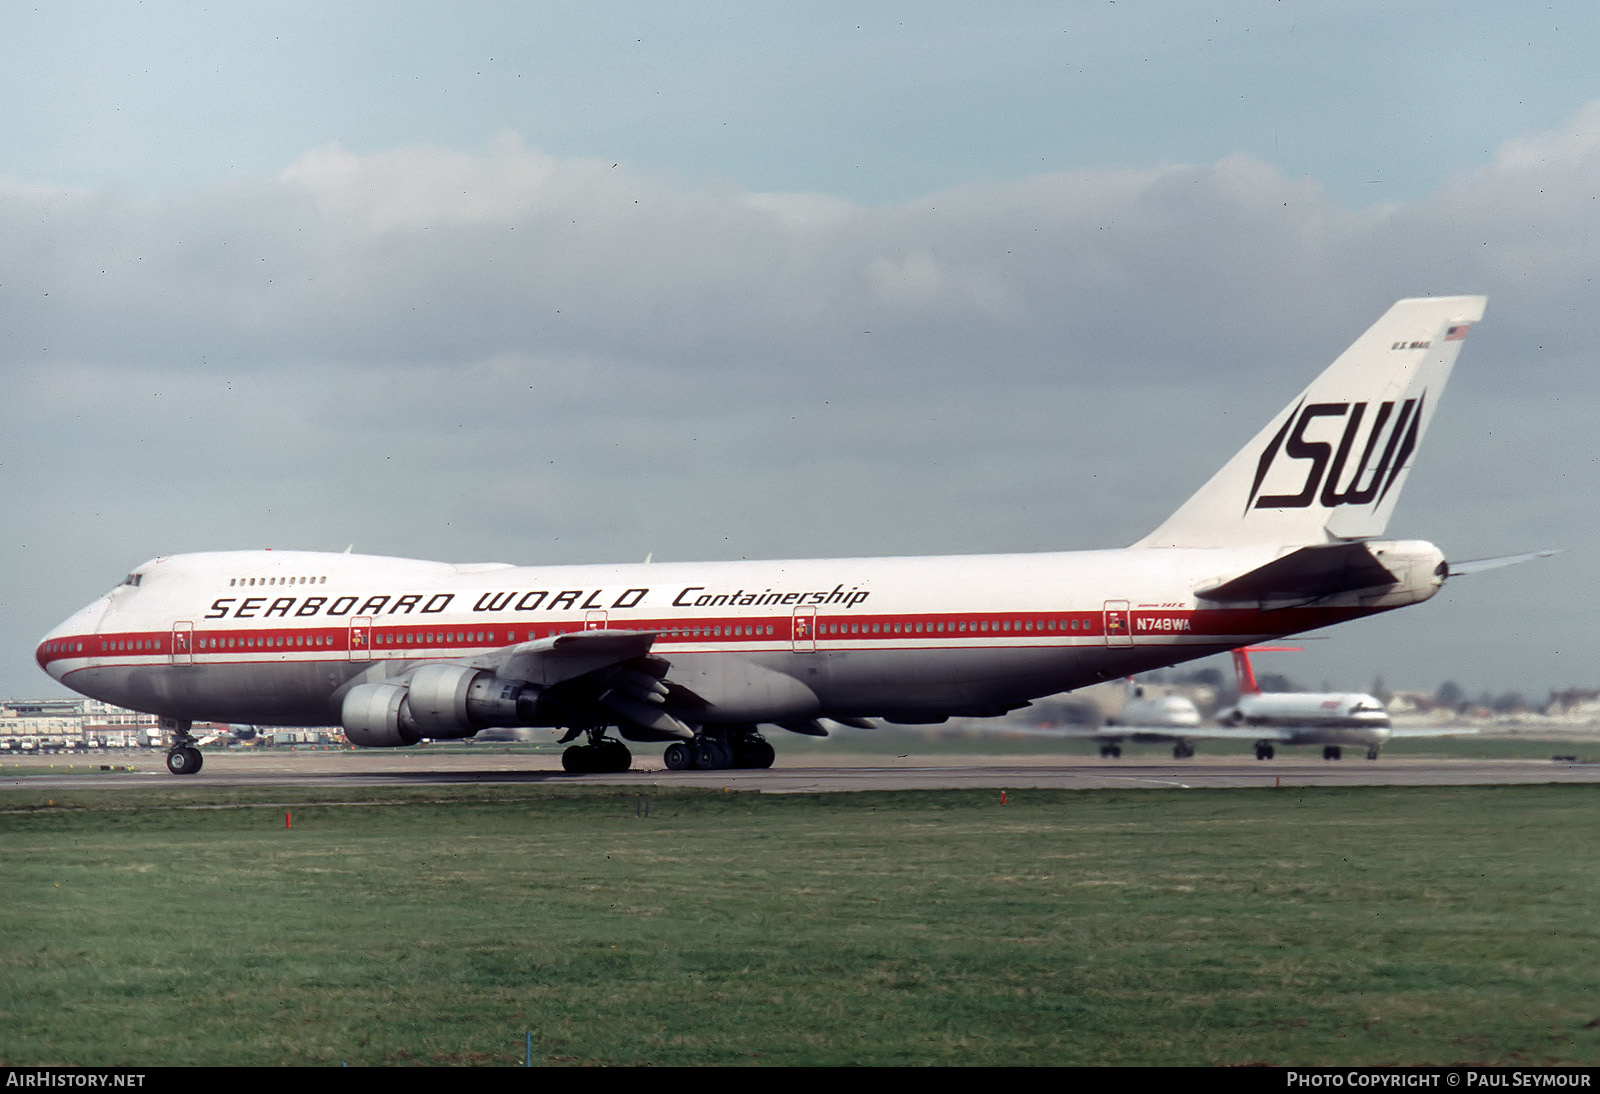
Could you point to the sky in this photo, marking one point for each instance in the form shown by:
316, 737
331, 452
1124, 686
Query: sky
590, 282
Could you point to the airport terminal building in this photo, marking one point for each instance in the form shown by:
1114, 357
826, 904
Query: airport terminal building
61, 725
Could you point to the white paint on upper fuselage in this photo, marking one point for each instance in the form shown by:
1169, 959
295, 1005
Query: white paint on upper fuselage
268, 588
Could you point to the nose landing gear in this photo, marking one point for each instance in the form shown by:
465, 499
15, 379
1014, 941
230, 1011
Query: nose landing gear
183, 758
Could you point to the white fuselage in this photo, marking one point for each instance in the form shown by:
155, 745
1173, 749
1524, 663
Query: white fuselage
1168, 712
1326, 718
278, 637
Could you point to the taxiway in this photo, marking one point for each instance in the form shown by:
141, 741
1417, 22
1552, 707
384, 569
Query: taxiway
809, 775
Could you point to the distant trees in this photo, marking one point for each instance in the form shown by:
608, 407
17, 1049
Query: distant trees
1450, 695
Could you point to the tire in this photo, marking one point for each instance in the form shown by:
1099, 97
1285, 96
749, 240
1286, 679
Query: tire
576, 760
759, 754
615, 756
183, 761
678, 757
712, 755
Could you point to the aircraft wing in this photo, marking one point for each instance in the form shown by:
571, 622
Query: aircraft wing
614, 677
609, 668
1434, 731
1197, 733
561, 657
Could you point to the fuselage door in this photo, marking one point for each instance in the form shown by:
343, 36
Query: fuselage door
183, 642
595, 620
1118, 623
361, 638
803, 630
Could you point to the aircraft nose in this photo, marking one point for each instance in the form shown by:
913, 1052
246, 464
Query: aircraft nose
69, 640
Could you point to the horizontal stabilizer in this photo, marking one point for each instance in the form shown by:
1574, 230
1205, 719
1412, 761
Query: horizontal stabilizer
1307, 574
1478, 565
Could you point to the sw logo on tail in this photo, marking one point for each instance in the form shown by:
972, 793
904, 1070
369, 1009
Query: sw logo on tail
1383, 476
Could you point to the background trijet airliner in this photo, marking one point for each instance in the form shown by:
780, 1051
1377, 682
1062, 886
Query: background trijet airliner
1269, 718
1329, 719
1281, 540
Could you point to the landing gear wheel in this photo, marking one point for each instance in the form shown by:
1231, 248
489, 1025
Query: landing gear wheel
1111, 752
1331, 752
678, 757
606, 756
712, 755
1264, 752
758, 754
1372, 753
614, 756
577, 760
1182, 750
184, 761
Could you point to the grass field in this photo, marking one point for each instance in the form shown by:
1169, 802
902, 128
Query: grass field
1416, 925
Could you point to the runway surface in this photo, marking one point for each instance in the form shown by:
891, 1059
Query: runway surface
810, 774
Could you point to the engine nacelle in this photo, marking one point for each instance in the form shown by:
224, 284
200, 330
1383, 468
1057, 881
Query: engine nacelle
438, 700
374, 716
441, 701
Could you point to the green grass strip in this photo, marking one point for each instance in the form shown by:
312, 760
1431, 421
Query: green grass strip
430, 925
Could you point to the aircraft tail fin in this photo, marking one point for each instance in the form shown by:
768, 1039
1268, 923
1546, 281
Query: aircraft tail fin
1332, 463
1244, 675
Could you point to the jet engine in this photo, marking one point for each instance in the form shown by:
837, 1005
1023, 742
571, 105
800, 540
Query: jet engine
442, 701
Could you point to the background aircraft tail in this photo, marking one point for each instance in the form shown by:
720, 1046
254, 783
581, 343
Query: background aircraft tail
1331, 465
1244, 674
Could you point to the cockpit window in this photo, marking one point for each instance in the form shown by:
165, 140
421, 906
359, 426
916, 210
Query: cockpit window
133, 579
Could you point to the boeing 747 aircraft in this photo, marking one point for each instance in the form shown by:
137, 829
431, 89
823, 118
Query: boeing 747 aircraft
1283, 539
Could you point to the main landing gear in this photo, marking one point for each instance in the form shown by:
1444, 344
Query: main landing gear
602, 755
1264, 751
707, 753
1331, 752
1182, 750
183, 758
